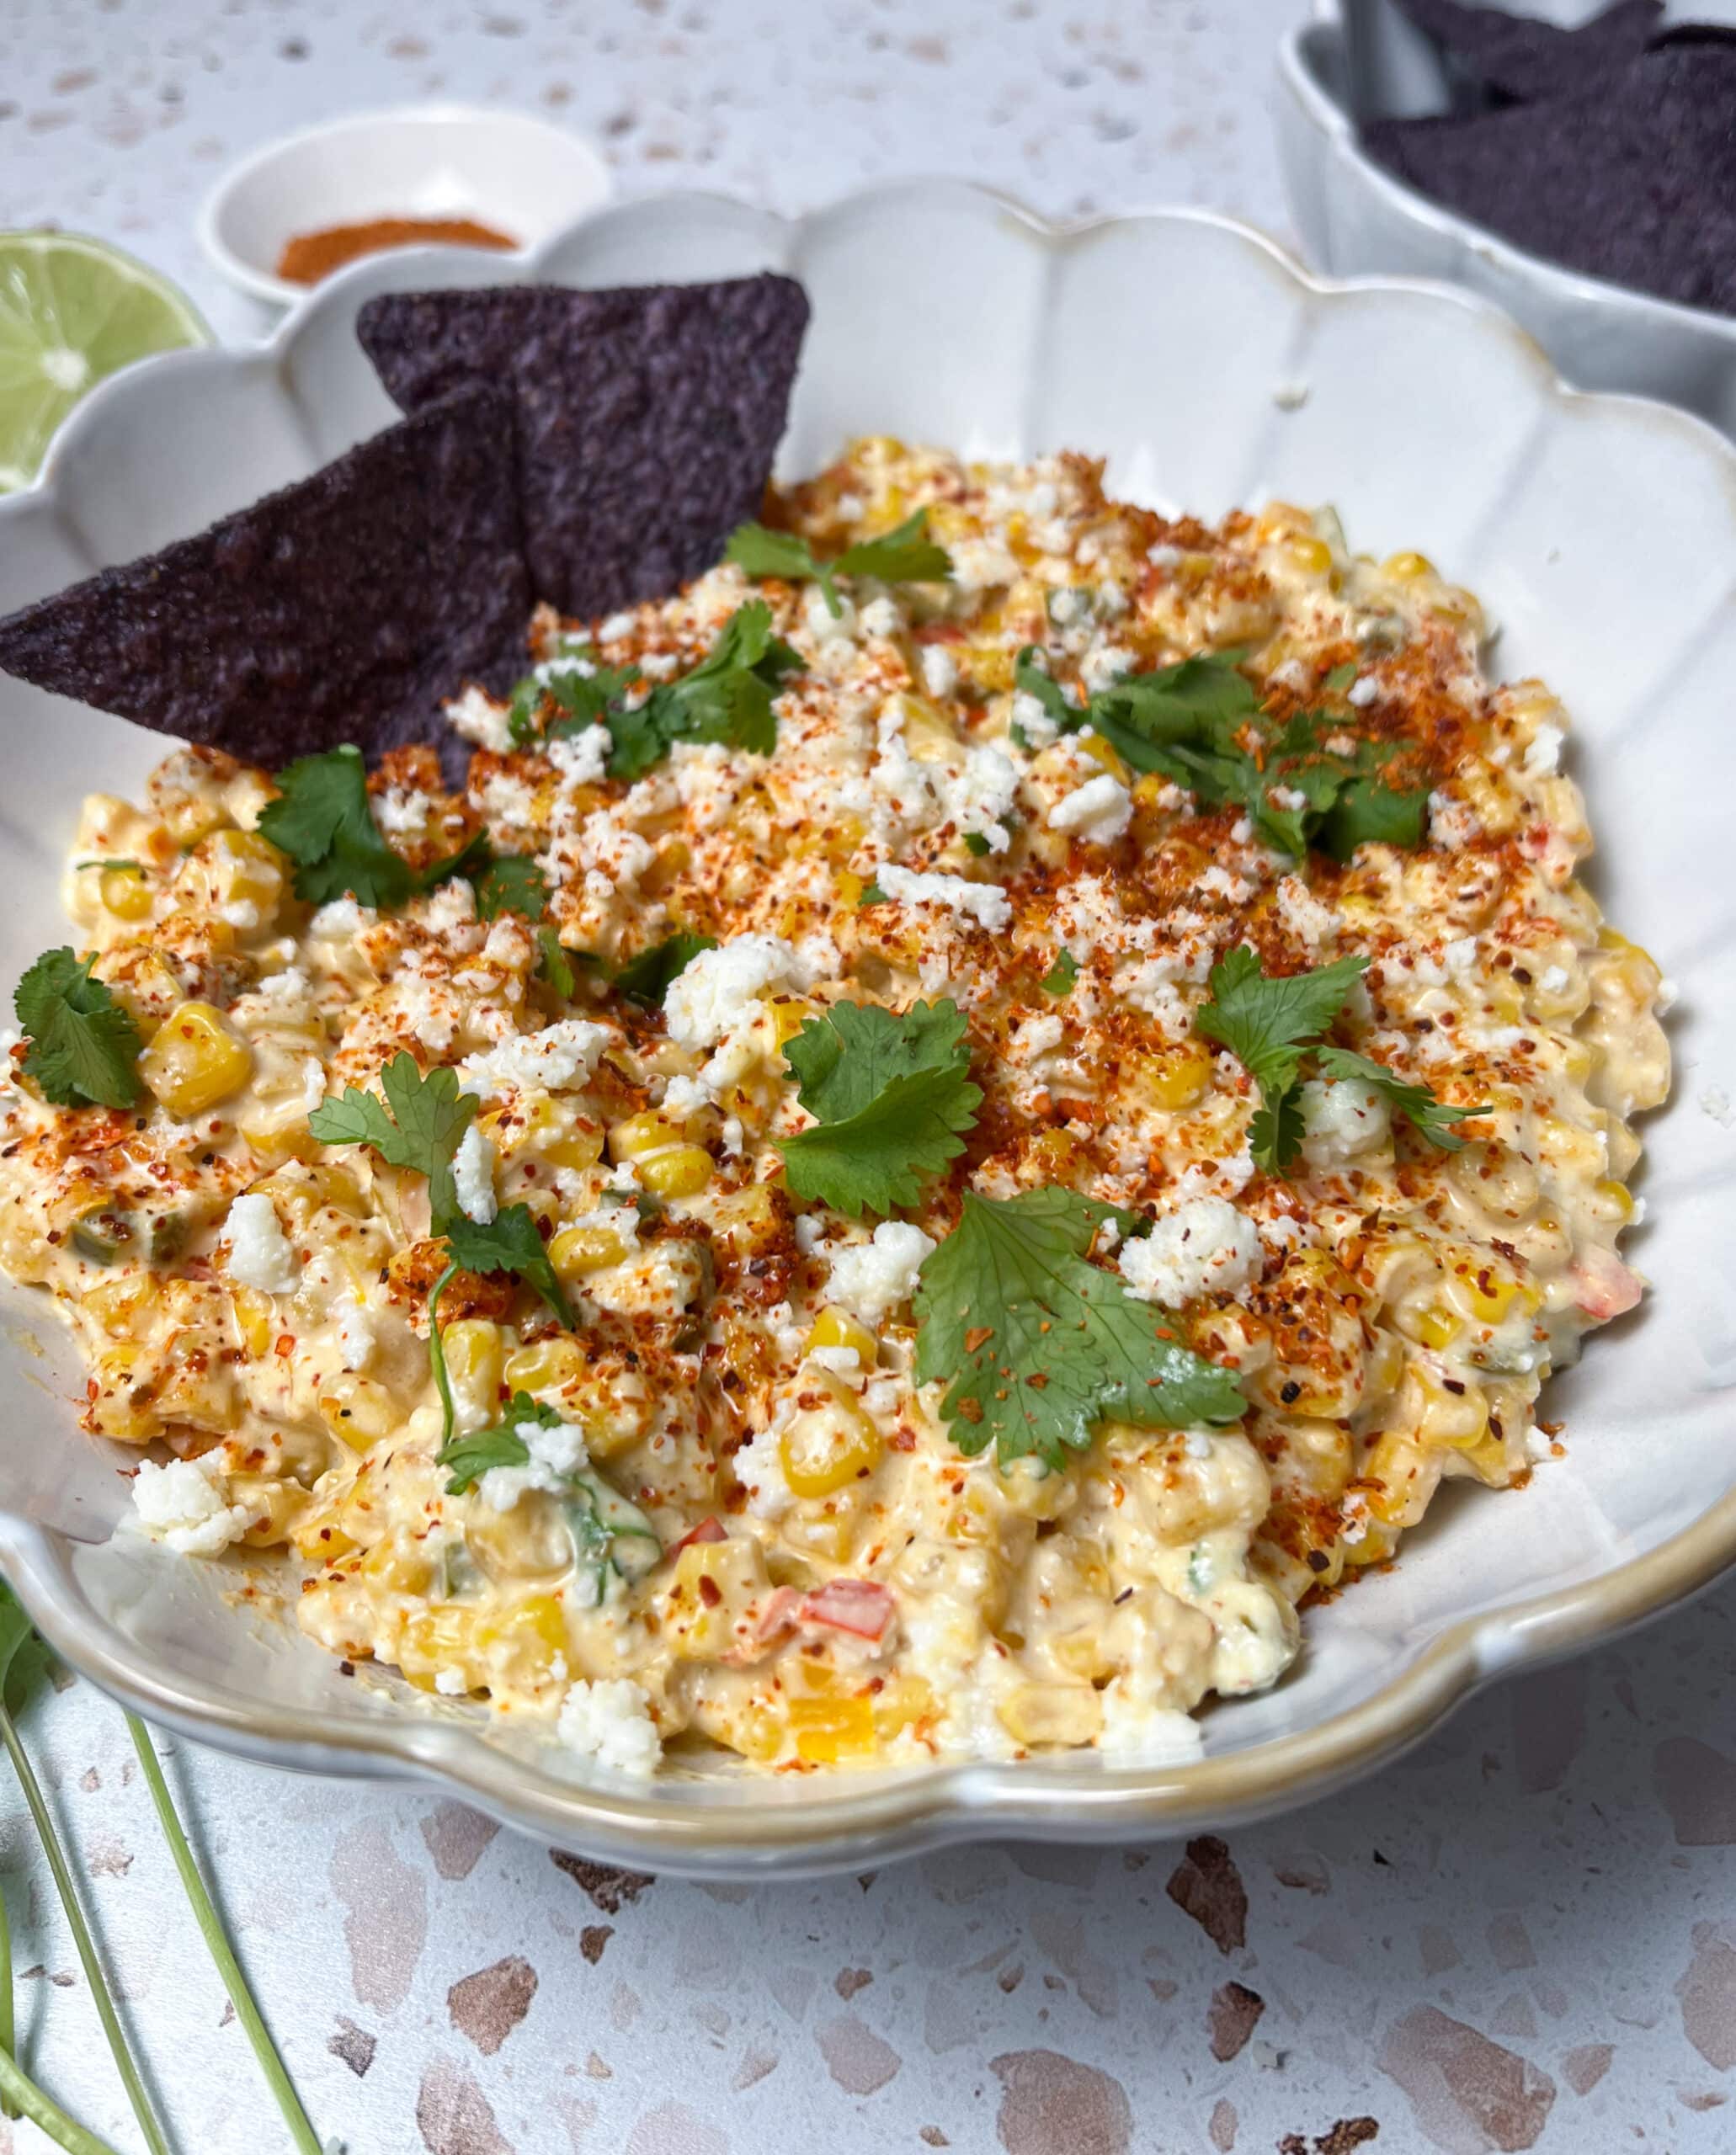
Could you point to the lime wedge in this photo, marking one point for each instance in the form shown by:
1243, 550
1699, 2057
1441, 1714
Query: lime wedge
72, 311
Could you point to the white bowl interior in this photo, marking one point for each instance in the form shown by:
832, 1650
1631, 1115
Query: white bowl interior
520, 174
1602, 533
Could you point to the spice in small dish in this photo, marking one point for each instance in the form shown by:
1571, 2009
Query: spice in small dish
309, 257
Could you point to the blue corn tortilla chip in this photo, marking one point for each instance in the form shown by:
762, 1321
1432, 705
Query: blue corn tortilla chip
342, 608
1634, 180
648, 416
1520, 58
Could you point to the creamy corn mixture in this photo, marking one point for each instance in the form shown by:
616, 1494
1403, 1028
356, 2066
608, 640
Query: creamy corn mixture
734, 1518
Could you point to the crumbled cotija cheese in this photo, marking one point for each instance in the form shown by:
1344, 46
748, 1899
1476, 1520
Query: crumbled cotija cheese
609, 1721
874, 1277
259, 1252
177, 1504
1205, 1247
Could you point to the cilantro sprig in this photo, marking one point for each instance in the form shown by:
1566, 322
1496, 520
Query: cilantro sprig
511, 882
905, 555
1037, 1345
84, 1045
1309, 780
1272, 1024
646, 979
322, 820
891, 1095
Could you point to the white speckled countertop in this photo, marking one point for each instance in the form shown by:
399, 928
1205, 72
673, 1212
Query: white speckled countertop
1523, 1936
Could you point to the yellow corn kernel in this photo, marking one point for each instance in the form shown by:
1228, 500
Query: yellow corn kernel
201, 1393
827, 1730
1435, 1325
545, 1366
125, 894
1056, 1152
1313, 557
749, 1222
320, 1540
193, 1060
398, 1565
1406, 567
357, 1409
1178, 1078
790, 1013
825, 1447
757, 1732
274, 1506
255, 1320
1614, 1199
473, 1354
119, 1305
1407, 1476
1150, 791
1052, 1713
1457, 1419
1373, 1545
903, 1701
714, 1581
580, 1147
247, 869
850, 887
117, 1410
530, 1541
522, 1645
683, 1171
435, 1639
1491, 1295
836, 1328
576, 1251
632, 1138
1098, 750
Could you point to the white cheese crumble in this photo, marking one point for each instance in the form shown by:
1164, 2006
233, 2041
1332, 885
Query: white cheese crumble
479, 719
869, 1279
1543, 757
178, 1504
1100, 810
581, 759
556, 1450
716, 990
340, 919
940, 670
473, 1171
1205, 1247
1135, 1734
758, 1467
1032, 721
881, 617
1363, 692
1343, 1121
986, 903
556, 1057
609, 1721
259, 1252
401, 812
355, 1335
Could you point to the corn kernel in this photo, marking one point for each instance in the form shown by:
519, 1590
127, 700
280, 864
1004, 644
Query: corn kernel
473, 1353
683, 1171
125, 894
1435, 1325
836, 1328
850, 887
116, 1411
827, 1730
576, 1251
357, 1409
247, 869
827, 1447
442, 1637
1407, 567
714, 1581
398, 1565
255, 1320
117, 1304
193, 1060
318, 1540
1178, 1077
1313, 557
273, 1504
522, 1645
548, 1365
789, 1015
1098, 750
1052, 1713
639, 1134
903, 1701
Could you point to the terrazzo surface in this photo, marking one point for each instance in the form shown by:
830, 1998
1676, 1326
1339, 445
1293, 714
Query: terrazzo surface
1522, 1936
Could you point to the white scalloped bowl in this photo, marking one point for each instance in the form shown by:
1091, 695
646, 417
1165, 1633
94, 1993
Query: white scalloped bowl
1601, 531
1355, 217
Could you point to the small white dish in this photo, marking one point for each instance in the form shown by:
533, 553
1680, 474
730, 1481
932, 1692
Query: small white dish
505, 169
1357, 219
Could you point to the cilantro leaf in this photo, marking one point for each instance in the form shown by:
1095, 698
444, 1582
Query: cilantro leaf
511, 882
1371, 813
1341, 679
585, 699
1266, 1024
1030, 679
646, 979
1061, 976
903, 556
509, 1243
84, 1044
1037, 1345
470, 1457
322, 820
728, 697
553, 964
428, 1120
891, 1095
1429, 1118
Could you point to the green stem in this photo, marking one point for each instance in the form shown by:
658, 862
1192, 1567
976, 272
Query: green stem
437, 1356
93, 1974
24, 2098
271, 2065
7, 2038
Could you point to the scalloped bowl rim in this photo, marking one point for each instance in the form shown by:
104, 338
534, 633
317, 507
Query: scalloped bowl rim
1336, 124
885, 1816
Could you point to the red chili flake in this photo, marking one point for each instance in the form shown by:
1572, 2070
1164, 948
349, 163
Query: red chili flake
977, 1337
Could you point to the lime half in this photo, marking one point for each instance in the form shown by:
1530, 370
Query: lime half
72, 311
